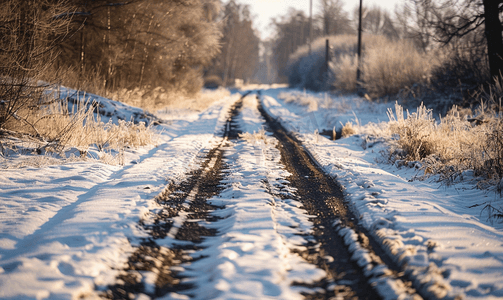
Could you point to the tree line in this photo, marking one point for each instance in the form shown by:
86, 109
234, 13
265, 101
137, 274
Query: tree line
105, 45
470, 31
139, 43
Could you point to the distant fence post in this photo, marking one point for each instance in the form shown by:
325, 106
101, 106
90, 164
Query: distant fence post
326, 73
327, 54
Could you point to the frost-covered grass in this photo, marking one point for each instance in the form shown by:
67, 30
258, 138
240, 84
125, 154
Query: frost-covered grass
71, 128
84, 128
314, 102
84, 125
451, 146
463, 141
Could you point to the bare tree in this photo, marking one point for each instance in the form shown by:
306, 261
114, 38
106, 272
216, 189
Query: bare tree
292, 31
333, 18
455, 19
30, 30
376, 20
239, 55
141, 43
414, 22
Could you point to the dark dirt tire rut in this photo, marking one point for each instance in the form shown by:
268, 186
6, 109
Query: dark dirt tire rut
322, 196
189, 197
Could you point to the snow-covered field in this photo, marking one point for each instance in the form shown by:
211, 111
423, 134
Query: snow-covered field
65, 229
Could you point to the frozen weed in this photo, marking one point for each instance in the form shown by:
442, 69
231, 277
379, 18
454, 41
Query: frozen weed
493, 212
255, 137
452, 146
348, 130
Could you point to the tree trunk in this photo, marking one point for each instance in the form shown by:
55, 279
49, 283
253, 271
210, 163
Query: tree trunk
145, 51
493, 31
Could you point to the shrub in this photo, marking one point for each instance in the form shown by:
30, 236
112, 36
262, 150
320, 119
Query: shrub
461, 73
309, 71
345, 73
387, 66
390, 66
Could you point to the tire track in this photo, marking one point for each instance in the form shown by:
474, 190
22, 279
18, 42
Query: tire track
362, 272
152, 268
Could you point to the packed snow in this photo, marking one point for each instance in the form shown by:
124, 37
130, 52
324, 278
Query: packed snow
252, 258
68, 225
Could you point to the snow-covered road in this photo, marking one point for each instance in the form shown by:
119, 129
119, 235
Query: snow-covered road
214, 211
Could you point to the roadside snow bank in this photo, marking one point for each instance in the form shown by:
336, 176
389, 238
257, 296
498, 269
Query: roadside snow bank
446, 247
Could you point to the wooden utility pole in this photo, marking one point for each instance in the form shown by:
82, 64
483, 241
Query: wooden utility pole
358, 70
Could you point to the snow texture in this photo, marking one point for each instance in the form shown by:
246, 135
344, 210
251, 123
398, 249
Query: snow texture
65, 229
448, 248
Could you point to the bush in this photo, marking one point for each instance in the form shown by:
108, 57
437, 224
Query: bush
387, 66
309, 71
390, 66
461, 74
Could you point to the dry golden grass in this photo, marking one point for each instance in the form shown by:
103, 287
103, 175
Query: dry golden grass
452, 145
390, 66
348, 130
150, 99
316, 102
255, 137
58, 129
302, 99
158, 98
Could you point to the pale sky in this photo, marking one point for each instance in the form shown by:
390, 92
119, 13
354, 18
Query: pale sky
264, 10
